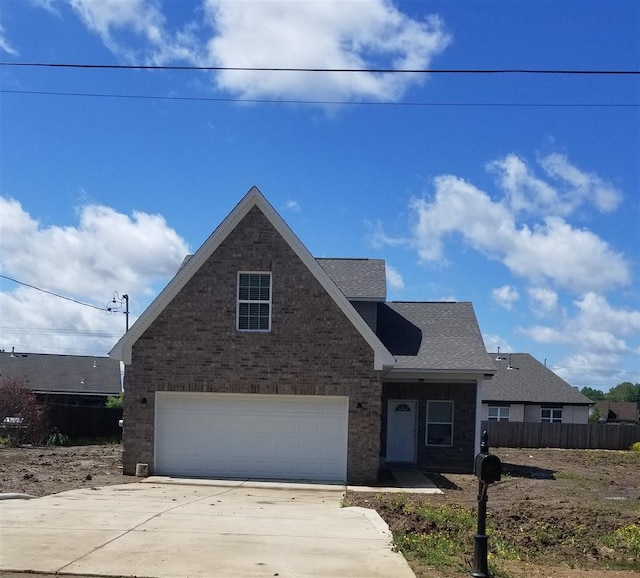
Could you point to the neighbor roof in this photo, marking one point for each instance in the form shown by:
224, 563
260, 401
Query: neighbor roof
358, 279
528, 380
433, 336
46, 373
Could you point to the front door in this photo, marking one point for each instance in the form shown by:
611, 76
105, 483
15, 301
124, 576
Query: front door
401, 430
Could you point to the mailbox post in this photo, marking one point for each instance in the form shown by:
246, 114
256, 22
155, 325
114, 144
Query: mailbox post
488, 470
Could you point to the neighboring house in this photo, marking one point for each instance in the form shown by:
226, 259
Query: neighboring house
525, 390
64, 379
618, 411
258, 360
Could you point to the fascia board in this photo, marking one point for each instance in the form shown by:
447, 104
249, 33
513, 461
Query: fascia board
122, 350
435, 374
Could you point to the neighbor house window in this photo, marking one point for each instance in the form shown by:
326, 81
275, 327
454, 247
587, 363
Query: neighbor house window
498, 413
254, 301
551, 415
439, 423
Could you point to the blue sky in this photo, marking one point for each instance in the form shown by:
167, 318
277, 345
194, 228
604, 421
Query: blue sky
518, 192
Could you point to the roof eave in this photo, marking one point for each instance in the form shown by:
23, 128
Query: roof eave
407, 373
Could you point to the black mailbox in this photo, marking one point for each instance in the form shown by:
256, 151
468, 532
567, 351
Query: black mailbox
488, 468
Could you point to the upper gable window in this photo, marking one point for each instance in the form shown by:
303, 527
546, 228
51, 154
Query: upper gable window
254, 301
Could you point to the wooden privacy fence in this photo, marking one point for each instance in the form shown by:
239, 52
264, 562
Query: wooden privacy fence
78, 421
602, 436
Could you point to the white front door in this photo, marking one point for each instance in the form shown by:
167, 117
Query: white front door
401, 430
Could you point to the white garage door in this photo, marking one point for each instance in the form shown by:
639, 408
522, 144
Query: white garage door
257, 436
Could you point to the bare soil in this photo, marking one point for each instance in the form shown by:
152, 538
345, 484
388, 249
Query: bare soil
553, 505
40, 471
544, 496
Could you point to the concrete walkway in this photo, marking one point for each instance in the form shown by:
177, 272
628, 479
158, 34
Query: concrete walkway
198, 529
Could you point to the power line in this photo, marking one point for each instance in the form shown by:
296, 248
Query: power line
321, 102
55, 294
59, 331
339, 70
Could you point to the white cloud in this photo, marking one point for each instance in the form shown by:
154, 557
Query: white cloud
569, 187
378, 238
112, 20
544, 301
329, 34
524, 191
105, 251
293, 206
5, 45
505, 296
394, 278
278, 34
600, 332
493, 343
548, 250
583, 186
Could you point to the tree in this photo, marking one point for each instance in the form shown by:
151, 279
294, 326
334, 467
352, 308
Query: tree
22, 416
625, 391
593, 394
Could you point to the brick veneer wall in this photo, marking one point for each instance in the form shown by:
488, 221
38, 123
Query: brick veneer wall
460, 456
312, 349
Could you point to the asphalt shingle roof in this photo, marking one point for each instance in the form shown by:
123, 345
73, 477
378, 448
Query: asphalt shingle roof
358, 279
433, 336
528, 381
63, 373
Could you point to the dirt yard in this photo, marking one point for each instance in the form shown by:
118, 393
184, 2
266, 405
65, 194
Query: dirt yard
553, 504
39, 471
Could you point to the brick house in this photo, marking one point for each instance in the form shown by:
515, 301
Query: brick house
258, 360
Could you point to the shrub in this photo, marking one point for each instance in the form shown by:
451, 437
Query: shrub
635, 448
115, 401
22, 416
57, 439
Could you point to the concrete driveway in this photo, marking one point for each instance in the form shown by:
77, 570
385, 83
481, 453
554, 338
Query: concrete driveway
207, 529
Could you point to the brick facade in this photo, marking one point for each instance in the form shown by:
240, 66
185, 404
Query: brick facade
312, 348
460, 456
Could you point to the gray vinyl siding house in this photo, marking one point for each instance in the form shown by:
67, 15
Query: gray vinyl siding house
259, 361
525, 390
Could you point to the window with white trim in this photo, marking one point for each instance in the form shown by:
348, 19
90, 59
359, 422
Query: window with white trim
254, 301
498, 413
551, 415
439, 423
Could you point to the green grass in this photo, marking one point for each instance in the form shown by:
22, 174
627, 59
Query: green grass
627, 536
445, 536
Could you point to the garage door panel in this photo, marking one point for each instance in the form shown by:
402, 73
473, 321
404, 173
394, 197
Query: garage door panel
224, 435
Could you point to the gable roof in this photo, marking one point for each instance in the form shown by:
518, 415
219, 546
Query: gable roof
358, 279
433, 336
46, 373
528, 381
254, 198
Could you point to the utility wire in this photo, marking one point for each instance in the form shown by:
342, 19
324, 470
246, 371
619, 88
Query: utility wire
58, 331
341, 70
55, 294
321, 102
